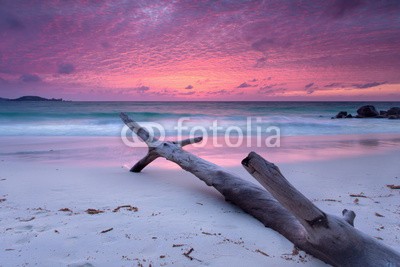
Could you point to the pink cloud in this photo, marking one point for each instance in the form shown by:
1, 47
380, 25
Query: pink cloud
77, 47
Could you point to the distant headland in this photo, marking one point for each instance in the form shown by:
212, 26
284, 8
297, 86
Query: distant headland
31, 98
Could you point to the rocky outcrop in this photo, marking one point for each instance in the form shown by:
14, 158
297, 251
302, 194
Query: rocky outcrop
393, 111
341, 114
367, 111
31, 98
35, 98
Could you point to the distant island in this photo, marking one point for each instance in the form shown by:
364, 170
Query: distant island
31, 98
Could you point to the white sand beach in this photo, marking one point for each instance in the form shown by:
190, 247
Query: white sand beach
48, 184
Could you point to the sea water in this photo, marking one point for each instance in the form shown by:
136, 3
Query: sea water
102, 118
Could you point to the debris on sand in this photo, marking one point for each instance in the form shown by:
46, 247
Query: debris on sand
26, 220
107, 230
187, 254
262, 252
127, 207
93, 211
65, 210
358, 195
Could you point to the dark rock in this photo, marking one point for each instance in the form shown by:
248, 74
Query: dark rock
367, 111
383, 113
341, 114
393, 111
379, 117
349, 116
35, 98
393, 117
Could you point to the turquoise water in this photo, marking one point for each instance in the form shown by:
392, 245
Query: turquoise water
101, 118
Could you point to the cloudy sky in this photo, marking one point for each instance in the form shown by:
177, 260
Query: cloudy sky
201, 50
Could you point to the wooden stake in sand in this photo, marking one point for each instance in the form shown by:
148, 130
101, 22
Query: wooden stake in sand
280, 207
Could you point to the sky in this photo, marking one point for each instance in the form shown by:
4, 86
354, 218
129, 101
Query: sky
292, 50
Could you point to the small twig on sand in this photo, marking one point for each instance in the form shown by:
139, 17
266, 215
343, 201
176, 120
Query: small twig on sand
358, 195
262, 252
207, 233
105, 231
392, 186
65, 210
128, 207
331, 200
27, 220
187, 254
93, 211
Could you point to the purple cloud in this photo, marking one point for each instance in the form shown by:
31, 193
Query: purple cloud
341, 8
367, 85
260, 63
187, 93
308, 85
244, 85
219, 92
29, 78
66, 68
332, 85
142, 89
310, 88
9, 21
263, 44
273, 91
269, 86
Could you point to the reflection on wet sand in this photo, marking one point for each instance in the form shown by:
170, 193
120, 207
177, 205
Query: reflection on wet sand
296, 149
110, 151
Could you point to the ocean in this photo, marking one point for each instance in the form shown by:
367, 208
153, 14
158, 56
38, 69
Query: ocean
101, 118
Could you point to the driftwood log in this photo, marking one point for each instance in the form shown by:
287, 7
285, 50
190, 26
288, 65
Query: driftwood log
280, 207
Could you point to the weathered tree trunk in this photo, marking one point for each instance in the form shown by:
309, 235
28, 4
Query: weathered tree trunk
282, 208
327, 237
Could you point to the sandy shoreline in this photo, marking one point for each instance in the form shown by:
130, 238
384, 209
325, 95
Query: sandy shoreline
176, 212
